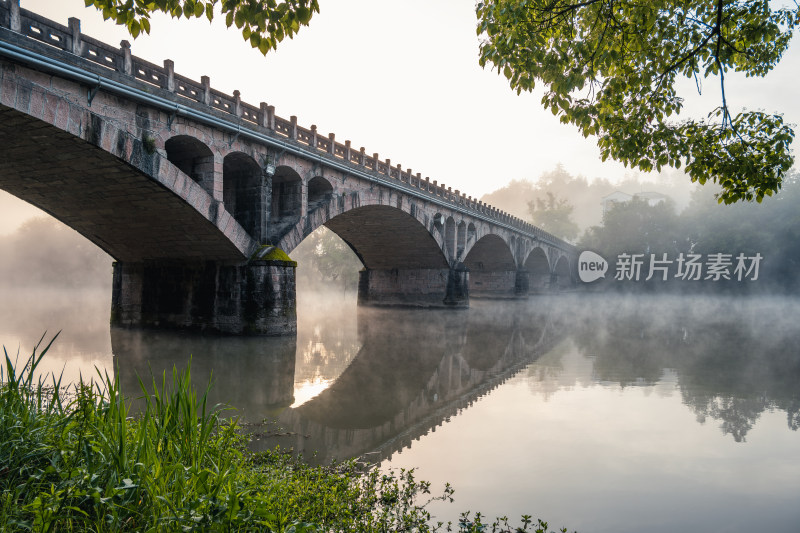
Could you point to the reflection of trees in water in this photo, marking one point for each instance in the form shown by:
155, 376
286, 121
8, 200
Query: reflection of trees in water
738, 415
327, 338
546, 376
734, 358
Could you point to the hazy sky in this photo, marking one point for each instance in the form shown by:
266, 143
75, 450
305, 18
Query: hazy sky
401, 79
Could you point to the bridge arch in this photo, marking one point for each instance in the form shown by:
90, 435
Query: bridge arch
461, 240
450, 237
286, 202
404, 263
492, 268
387, 238
538, 268
320, 192
562, 272
244, 192
193, 158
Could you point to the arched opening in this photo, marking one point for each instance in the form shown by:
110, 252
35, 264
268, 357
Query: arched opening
450, 237
538, 270
462, 239
320, 192
244, 193
513, 246
325, 264
471, 233
492, 270
522, 247
403, 262
193, 158
438, 224
563, 278
287, 202
385, 237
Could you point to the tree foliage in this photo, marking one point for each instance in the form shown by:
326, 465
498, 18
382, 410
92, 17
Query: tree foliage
705, 228
264, 23
610, 68
325, 260
636, 226
554, 215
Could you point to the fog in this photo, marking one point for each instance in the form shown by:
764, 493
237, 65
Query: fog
732, 356
673, 401
585, 193
43, 252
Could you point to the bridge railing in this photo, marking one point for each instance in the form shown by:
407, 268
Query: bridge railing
70, 39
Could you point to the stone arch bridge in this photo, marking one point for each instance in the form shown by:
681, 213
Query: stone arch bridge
195, 193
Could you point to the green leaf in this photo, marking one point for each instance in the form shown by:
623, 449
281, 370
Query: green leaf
303, 15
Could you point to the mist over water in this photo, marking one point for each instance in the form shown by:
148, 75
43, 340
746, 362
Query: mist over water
597, 412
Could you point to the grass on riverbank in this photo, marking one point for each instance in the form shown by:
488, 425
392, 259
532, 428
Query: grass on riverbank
79, 461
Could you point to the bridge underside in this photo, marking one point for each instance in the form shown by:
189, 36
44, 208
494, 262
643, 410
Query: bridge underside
113, 204
403, 263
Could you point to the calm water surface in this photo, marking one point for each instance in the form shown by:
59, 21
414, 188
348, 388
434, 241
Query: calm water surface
591, 412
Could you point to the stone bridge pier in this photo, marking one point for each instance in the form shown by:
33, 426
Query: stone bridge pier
199, 196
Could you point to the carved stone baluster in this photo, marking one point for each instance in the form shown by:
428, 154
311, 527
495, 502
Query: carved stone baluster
127, 61
169, 80
15, 22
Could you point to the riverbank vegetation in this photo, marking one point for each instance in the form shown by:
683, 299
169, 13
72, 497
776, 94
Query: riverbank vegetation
79, 459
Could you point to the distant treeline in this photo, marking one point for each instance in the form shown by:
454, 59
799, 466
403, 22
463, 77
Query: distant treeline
326, 262
582, 194
705, 246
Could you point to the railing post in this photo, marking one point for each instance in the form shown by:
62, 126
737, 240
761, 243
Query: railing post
347, 151
75, 29
271, 117
263, 115
237, 103
312, 142
169, 67
15, 23
127, 62
362, 158
206, 82
293, 127
332, 143
375, 157
388, 167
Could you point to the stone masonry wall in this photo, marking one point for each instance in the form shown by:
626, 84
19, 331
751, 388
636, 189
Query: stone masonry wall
493, 284
413, 288
256, 298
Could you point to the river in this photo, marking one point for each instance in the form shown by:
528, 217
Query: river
593, 412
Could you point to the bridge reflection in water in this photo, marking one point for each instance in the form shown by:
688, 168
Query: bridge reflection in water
404, 374
378, 380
